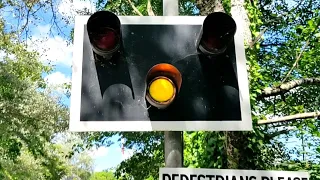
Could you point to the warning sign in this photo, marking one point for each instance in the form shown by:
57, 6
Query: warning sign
229, 174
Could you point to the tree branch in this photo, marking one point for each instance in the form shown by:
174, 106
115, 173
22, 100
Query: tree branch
27, 22
149, 9
285, 87
302, 50
54, 18
135, 8
258, 37
296, 62
290, 118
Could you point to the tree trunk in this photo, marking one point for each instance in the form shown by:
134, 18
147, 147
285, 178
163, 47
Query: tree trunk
238, 11
233, 139
237, 140
209, 6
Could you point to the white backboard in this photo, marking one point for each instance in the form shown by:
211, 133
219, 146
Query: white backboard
76, 125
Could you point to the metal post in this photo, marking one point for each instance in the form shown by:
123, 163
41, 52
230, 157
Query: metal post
173, 148
173, 140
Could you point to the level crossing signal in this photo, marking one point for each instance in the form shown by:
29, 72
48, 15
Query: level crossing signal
156, 73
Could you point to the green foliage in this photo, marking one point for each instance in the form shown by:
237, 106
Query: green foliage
123, 7
30, 116
27, 115
204, 150
148, 153
102, 176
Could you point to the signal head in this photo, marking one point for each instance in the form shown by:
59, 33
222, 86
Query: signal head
104, 31
217, 32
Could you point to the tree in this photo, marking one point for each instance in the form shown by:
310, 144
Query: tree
79, 164
31, 116
102, 176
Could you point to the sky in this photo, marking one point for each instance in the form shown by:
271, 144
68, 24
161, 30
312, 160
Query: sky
109, 157
55, 50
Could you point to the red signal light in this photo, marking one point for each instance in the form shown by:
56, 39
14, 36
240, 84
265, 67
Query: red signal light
104, 31
217, 32
107, 40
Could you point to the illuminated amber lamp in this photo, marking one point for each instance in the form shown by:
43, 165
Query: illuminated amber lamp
163, 84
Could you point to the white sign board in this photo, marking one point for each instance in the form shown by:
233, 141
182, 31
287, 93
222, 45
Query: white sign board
229, 174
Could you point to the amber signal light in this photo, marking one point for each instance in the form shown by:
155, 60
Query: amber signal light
163, 84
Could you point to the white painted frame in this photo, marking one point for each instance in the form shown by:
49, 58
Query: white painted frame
80, 126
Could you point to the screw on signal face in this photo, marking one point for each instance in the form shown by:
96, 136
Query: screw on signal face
217, 32
163, 84
104, 31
